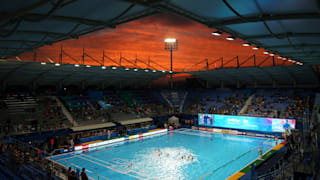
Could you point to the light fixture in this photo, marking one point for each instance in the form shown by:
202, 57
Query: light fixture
146, 70
217, 33
163, 71
230, 38
284, 58
271, 54
114, 67
127, 69
57, 64
266, 52
76, 65
135, 69
154, 71
290, 60
279, 57
255, 48
246, 44
88, 66
170, 40
103, 67
301, 64
170, 71
293, 61
43, 63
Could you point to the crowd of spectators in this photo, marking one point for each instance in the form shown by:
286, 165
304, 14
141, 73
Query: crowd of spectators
22, 159
227, 103
24, 113
281, 104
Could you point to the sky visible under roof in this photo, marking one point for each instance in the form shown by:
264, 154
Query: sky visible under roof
144, 39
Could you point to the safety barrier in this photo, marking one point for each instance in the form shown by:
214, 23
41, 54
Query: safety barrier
117, 140
246, 170
95, 138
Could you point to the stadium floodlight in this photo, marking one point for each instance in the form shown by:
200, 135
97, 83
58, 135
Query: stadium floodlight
114, 67
146, 70
57, 64
217, 33
43, 63
255, 48
88, 66
127, 69
76, 65
103, 67
230, 38
266, 52
154, 71
246, 44
136, 69
169, 40
171, 45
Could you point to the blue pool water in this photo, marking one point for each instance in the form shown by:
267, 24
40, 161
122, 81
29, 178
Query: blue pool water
214, 156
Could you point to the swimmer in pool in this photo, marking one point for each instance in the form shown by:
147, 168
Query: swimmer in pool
130, 165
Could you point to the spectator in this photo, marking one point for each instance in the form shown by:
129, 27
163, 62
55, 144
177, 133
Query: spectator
84, 174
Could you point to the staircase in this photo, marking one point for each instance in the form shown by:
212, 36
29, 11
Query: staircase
175, 98
245, 107
20, 104
183, 101
315, 111
65, 111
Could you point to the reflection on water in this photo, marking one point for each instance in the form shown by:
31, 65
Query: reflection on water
165, 163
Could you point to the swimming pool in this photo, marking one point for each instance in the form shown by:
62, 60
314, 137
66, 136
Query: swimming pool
179, 154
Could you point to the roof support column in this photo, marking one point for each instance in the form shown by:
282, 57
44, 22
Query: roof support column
273, 62
221, 84
33, 85
274, 83
59, 86
238, 64
294, 84
4, 85
83, 85
238, 83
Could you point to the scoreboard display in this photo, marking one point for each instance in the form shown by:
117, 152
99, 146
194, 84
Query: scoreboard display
246, 122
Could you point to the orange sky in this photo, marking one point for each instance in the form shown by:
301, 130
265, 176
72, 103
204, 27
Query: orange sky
145, 38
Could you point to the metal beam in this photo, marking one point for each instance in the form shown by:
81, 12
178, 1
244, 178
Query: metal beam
12, 71
264, 17
77, 20
17, 41
282, 35
289, 45
28, 32
299, 52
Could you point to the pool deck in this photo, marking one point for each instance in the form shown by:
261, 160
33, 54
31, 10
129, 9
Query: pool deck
256, 162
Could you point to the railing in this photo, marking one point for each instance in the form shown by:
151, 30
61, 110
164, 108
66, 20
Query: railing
35, 160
